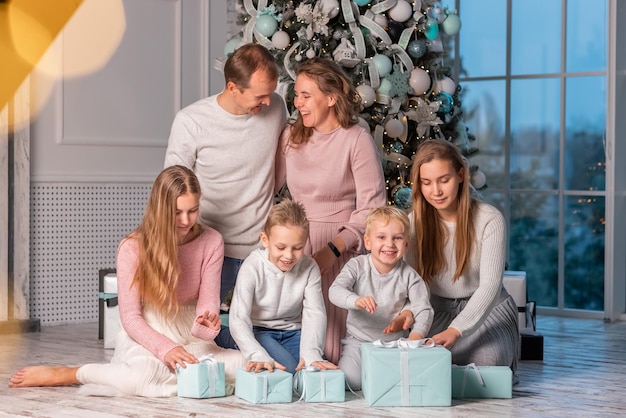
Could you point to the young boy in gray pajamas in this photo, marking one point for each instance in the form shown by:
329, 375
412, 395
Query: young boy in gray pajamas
384, 296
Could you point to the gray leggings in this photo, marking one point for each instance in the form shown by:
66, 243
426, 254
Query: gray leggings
350, 362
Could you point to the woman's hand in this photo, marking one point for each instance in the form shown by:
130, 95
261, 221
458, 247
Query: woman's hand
400, 323
258, 366
366, 302
178, 355
210, 320
325, 258
447, 338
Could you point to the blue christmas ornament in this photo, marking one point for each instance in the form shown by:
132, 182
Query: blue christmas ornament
383, 64
446, 100
362, 2
402, 198
397, 147
432, 28
266, 25
417, 48
452, 24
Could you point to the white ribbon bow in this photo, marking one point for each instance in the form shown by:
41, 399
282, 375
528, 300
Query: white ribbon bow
405, 343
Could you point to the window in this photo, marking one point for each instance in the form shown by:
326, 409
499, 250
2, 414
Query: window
534, 95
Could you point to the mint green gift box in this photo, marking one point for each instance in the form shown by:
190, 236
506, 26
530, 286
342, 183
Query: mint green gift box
264, 387
201, 380
473, 381
315, 385
406, 373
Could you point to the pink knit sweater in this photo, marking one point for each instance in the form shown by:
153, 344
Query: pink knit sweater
200, 269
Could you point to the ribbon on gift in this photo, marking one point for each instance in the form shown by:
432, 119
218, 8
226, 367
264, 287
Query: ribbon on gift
265, 388
299, 376
404, 345
468, 369
213, 369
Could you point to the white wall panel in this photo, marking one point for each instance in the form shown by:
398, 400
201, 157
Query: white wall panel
132, 99
112, 124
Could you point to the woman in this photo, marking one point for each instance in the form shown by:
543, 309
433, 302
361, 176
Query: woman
168, 272
459, 247
330, 165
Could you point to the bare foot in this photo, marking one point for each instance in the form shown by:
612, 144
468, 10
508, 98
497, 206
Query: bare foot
44, 376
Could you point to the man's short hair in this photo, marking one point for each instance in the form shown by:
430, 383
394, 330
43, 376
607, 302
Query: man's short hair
245, 61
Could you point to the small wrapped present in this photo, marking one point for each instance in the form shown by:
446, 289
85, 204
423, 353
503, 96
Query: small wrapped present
406, 373
315, 385
473, 381
202, 380
264, 387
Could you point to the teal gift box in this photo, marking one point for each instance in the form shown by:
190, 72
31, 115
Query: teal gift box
315, 385
406, 373
473, 381
264, 387
201, 380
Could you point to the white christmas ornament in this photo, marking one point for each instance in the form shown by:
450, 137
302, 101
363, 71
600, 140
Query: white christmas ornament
446, 84
310, 53
394, 128
419, 80
401, 12
280, 39
381, 20
367, 93
479, 179
330, 7
345, 54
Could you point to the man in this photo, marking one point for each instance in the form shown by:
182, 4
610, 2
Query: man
230, 141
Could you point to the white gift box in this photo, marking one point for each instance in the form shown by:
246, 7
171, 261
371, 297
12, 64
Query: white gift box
111, 324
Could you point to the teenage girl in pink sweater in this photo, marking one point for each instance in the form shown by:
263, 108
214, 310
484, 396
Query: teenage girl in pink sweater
168, 272
330, 165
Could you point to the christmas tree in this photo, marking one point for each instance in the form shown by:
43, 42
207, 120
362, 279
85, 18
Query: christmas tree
396, 53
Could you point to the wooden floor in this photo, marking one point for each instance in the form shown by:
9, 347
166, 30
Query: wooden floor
583, 375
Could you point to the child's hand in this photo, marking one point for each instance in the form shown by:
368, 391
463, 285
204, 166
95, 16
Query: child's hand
366, 302
325, 365
179, 356
210, 320
258, 366
402, 322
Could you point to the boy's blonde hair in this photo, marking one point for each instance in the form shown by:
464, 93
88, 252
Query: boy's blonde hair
387, 214
287, 213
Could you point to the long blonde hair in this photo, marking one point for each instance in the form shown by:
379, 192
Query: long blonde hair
430, 234
332, 81
157, 269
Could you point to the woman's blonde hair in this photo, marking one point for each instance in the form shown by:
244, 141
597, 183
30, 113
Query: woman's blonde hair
387, 214
332, 81
157, 268
430, 233
287, 213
